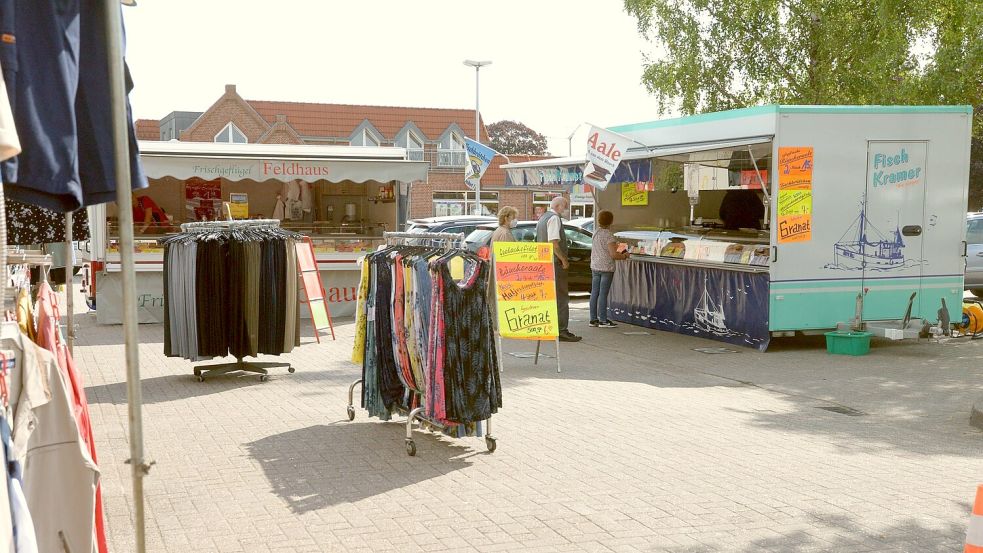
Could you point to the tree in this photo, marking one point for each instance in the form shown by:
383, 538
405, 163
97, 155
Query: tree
512, 137
726, 54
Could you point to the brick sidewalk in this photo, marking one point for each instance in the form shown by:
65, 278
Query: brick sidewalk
641, 444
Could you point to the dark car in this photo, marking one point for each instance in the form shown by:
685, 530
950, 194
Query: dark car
463, 224
579, 248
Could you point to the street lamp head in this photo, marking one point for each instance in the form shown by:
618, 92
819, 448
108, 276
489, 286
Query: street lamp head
476, 64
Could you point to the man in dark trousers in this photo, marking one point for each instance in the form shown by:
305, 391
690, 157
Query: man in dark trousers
550, 229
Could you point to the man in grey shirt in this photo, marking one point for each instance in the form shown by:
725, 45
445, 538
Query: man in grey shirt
550, 229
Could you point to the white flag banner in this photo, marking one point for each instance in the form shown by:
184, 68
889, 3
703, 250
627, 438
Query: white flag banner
604, 151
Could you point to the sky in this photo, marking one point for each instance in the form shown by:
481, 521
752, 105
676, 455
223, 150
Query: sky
555, 64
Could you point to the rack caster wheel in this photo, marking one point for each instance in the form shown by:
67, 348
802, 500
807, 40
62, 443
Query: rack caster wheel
197, 372
491, 444
291, 370
351, 413
263, 378
411, 448
200, 378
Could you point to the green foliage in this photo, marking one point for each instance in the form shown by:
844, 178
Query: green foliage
512, 137
724, 54
713, 55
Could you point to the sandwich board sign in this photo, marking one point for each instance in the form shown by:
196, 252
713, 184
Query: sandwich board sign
310, 278
525, 292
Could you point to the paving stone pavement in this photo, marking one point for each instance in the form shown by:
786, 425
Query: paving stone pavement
640, 444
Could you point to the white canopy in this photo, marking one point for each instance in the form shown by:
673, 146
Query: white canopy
261, 162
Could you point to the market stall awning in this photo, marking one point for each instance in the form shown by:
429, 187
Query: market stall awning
261, 162
635, 165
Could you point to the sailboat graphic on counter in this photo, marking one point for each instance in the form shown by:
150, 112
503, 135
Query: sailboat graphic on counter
709, 316
868, 247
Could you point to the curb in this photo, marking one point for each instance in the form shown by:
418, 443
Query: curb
976, 415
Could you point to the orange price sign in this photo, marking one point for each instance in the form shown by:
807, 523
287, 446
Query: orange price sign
795, 168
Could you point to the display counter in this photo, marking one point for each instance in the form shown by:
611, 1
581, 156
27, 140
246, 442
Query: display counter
740, 250
690, 283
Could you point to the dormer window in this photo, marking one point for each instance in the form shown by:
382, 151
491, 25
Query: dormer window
413, 145
231, 135
451, 152
365, 138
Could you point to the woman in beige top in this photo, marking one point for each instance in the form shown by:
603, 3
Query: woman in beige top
506, 222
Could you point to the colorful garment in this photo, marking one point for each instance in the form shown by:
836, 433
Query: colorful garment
358, 351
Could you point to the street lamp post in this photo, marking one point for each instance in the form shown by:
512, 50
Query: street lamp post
477, 136
570, 139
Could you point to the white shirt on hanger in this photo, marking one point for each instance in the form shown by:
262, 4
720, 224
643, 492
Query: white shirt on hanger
9, 143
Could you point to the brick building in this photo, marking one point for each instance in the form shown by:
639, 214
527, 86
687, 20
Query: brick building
435, 135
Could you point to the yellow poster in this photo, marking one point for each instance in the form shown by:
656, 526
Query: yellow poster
239, 205
525, 290
630, 195
794, 202
794, 210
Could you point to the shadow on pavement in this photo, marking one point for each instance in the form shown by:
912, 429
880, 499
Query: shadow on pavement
177, 387
319, 466
902, 390
843, 533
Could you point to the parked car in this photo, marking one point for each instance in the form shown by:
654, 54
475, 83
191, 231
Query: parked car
463, 224
579, 276
586, 223
974, 254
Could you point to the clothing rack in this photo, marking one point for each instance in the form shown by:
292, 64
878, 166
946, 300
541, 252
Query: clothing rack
260, 368
449, 241
23, 257
223, 225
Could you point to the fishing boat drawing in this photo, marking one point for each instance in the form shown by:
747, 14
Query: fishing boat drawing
709, 316
864, 246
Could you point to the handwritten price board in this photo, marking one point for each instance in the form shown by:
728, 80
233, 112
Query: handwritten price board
630, 195
795, 166
526, 290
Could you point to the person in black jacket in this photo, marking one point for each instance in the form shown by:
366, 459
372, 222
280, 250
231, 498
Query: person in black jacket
741, 209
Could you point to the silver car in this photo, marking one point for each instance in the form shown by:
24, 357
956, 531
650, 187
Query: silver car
974, 254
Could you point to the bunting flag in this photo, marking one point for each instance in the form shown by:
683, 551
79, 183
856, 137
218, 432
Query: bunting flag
479, 158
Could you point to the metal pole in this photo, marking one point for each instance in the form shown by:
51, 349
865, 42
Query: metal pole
477, 138
69, 283
117, 93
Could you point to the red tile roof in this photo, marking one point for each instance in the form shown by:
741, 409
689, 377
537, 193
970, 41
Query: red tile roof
148, 129
339, 120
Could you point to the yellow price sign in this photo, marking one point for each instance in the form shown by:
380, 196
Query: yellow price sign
794, 202
631, 195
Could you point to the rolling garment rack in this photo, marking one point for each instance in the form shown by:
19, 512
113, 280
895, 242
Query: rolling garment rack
260, 368
449, 242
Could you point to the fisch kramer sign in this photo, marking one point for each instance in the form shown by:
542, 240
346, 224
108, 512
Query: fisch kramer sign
292, 169
896, 164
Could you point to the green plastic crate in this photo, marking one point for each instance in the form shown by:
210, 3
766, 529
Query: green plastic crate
848, 342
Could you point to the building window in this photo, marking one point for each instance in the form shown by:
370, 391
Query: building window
541, 203
452, 153
581, 210
414, 146
452, 204
365, 138
231, 135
